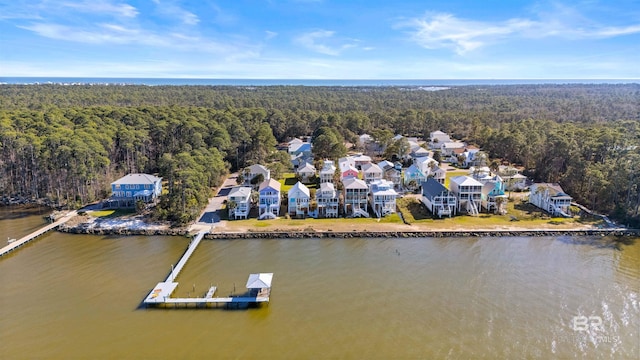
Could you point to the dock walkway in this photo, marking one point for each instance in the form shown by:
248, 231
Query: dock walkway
161, 293
26, 239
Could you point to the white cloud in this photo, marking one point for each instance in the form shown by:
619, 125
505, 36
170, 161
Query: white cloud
323, 42
171, 9
107, 33
442, 30
270, 34
103, 7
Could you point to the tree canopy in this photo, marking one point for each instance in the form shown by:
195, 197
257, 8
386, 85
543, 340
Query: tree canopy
68, 143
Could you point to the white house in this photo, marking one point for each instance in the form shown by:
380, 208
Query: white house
448, 147
389, 172
299, 198
517, 182
327, 172
438, 199
360, 159
306, 172
299, 147
438, 173
355, 193
437, 138
382, 197
269, 203
328, 200
425, 163
254, 170
239, 202
551, 198
371, 172
469, 193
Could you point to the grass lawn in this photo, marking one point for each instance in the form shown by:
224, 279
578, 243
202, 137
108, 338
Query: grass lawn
519, 215
391, 223
453, 173
111, 213
289, 180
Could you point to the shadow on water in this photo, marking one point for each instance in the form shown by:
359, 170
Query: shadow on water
22, 211
604, 242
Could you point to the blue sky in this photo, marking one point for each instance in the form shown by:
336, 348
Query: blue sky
321, 39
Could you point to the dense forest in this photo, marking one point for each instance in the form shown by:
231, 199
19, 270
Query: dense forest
67, 143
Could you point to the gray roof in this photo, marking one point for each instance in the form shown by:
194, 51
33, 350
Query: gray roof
274, 184
136, 179
432, 188
353, 183
244, 191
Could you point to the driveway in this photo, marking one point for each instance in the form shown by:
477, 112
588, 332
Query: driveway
211, 214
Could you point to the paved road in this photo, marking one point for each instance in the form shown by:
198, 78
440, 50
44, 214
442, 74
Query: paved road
210, 216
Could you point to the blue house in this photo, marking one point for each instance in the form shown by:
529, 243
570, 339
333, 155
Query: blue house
414, 175
491, 191
126, 191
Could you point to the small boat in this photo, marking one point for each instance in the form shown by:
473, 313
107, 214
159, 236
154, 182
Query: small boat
10, 240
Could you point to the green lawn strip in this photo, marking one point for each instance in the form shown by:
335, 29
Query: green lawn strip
453, 173
111, 213
289, 180
519, 214
309, 223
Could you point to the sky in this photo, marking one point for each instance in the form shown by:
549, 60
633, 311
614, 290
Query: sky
321, 39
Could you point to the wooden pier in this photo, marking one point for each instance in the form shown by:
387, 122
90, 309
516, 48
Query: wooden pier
14, 245
258, 286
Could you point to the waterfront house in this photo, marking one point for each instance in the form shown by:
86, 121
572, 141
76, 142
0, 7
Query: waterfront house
328, 171
355, 192
438, 199
492, 191
306, 172
413, 177
469, 193
269, 199
371, 172
126, 191
551, 198
251, 174
328, 200
298, 200
239, 202
382, 197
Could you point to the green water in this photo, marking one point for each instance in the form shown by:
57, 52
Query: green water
78, 297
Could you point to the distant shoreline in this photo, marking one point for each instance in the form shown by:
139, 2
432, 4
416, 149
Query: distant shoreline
300, 82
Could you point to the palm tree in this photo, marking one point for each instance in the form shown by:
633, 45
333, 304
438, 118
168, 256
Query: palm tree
500, 201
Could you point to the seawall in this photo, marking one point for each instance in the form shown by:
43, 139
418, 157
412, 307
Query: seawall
354, 234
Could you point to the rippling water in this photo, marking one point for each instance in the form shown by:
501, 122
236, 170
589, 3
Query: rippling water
76, 296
